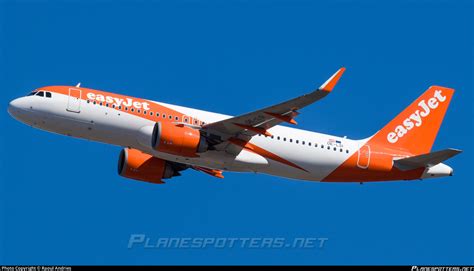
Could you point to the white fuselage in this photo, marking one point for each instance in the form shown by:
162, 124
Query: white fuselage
318, 154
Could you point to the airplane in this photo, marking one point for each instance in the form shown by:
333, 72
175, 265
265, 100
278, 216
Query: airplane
160, 140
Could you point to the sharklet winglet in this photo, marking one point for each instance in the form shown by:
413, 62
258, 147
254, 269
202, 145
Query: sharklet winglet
332, 81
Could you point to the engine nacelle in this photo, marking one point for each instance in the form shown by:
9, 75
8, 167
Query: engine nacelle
178, 140
134, 164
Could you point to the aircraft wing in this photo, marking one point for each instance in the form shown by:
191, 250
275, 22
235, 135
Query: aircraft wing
258, 122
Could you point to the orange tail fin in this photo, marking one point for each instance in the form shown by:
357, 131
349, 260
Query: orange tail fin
415, 129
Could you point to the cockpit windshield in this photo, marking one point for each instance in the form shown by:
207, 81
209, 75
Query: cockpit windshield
40, 93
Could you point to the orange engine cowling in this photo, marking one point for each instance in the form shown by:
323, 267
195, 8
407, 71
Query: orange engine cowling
140, 166
178, 140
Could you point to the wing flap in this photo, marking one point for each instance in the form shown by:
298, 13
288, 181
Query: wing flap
213, 172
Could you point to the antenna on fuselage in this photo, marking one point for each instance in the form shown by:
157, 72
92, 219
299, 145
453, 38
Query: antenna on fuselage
78, 85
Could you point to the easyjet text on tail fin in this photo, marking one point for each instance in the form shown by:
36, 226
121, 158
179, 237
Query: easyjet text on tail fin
416, 127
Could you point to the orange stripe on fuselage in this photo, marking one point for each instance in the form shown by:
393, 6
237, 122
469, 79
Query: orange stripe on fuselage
260, 151
140, 106
380, 168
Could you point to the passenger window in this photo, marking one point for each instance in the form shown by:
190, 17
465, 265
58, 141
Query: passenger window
329, 148
133, 109
170, 117
157, 114
347, 151
302, 142
278, 137
176, 118
284, 139
94, 102
309, 144
151, 113
41, 94
297, 141
322, 146
340, 150
48, 94
291, 139
335, 148
120, 107
138, 111
315, 144
113, 106
164, 115
106, 105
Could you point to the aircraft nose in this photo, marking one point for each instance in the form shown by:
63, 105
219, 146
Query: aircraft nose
15, 106
12, 106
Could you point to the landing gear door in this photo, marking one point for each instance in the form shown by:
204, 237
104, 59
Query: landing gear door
363, 158
74, 100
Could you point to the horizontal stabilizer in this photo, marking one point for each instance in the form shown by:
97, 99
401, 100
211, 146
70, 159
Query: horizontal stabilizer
425, 160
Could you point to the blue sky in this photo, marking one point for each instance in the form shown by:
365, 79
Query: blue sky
62, 202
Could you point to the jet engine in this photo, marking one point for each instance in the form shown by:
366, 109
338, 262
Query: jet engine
134, 164
177, 139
